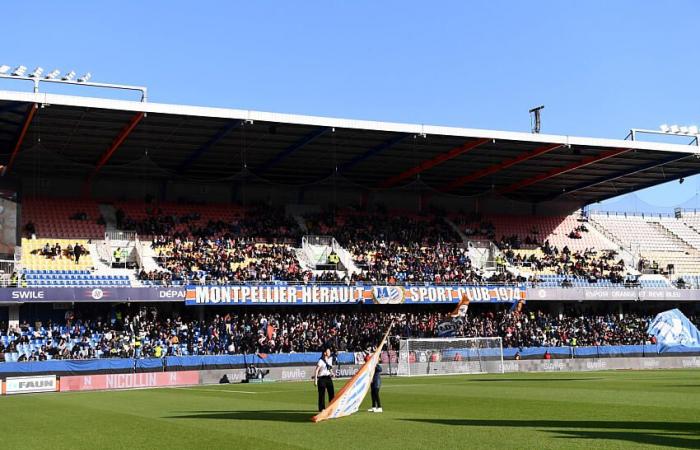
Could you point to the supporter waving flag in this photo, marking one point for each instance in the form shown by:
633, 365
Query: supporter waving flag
350, 398
517, 307
462, 308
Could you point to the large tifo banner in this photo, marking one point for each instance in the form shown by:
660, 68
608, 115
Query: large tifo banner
672, 328
339, 295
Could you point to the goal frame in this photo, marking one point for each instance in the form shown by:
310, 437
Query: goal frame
405, 347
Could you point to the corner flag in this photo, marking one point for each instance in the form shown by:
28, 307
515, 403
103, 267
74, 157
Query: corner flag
350, 398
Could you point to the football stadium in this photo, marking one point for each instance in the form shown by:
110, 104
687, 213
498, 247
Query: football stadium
176, 276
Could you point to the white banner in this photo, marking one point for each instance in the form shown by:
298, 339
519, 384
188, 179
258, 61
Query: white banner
26, 385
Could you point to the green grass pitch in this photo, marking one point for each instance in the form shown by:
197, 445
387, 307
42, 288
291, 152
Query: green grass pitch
536, 410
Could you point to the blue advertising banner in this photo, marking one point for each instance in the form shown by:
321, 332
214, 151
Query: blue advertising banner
82, 294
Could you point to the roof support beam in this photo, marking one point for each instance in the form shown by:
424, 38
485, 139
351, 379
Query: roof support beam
22, 134
626, 173
371, 152
272, 162
118, 141
481, 173
195, 155
430, 163
562, 170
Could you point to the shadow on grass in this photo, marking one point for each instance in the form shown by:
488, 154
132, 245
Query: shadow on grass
670, 434
271, 416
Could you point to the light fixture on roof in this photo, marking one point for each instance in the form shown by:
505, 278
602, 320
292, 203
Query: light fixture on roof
19, 71
664, 128
37, 77
684, 130
53, 74
37, 72
85, 78
693, 129
675, 129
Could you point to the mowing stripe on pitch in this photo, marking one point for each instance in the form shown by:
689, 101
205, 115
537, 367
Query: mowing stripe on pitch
225, 390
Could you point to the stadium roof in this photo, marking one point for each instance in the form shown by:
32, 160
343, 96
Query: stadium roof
85, 137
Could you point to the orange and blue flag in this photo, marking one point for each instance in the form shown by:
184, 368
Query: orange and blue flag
350, 398
462, 308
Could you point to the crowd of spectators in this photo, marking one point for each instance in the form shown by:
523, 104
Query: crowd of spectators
394, 249
386, 247
147, 334
72, 252
225, 260
257, 247
590, 264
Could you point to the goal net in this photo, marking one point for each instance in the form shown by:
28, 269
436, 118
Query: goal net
446, 356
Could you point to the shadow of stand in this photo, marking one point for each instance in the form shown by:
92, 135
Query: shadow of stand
293, 416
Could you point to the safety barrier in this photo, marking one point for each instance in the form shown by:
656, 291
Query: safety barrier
212, 362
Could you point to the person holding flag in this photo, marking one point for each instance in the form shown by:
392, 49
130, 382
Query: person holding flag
375, 386
323, 378
350, 397
462, 308
517, 307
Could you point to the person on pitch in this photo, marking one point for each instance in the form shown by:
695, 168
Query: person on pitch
323, 378
374, 388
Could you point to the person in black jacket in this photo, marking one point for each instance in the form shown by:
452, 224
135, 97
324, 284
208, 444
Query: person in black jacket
323, 378
374, 388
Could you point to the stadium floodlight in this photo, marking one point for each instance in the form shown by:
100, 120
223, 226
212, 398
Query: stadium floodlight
85, 78
37, 72
53, 74
19, 71
39, 76
693, 129
675, 129
684, 130
664, 128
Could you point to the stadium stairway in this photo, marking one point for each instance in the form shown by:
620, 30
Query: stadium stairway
148, 255
456, 229
680, 231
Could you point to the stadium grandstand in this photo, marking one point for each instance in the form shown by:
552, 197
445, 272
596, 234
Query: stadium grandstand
142, 230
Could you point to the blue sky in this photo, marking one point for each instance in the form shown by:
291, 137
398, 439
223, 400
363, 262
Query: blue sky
600, 67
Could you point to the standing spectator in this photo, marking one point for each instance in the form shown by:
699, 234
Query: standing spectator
77, 251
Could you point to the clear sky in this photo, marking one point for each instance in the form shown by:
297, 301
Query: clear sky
600, 67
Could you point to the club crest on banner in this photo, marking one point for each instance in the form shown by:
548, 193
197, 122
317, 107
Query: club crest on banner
388, 295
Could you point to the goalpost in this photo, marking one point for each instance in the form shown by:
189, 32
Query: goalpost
448, 356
